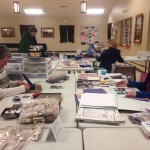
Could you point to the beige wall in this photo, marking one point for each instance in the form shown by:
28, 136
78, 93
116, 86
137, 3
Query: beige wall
53, 43
130, 8
122, 9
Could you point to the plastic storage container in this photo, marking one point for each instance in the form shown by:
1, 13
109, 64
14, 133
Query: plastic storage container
38, 67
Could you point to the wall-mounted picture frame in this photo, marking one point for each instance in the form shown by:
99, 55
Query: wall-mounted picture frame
137, 36
139, 22
138, 28
47, 32
8, 32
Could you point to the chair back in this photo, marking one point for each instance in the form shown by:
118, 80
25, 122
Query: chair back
128, 71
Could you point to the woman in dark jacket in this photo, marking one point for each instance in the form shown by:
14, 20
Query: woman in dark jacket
109, 56
28, 39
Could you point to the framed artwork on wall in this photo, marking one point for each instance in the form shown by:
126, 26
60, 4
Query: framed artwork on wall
89, 34
8, 32
47, 32
138, 28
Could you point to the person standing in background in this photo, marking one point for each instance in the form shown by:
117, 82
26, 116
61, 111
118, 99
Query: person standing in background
7, 87
27, 39
109, 56
90, 50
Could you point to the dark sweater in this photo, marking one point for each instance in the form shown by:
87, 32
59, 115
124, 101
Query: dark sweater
108, 57
26, 41
144, 87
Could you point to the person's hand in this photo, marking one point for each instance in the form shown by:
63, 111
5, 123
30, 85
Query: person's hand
27, 88
131, 94
26, 85
21, 83
121, 83
94, 53
38, 88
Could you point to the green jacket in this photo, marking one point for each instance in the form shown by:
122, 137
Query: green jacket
26, 41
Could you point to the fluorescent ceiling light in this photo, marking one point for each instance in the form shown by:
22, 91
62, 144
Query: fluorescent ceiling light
95, 11
34, 11
83, 7
16, 7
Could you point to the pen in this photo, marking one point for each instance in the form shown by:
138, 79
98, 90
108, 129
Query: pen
31, 84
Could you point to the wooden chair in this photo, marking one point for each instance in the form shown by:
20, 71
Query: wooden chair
128, 71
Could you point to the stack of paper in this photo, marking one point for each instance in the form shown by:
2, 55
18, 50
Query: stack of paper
79, 94
96, 107
107, 115
95, 100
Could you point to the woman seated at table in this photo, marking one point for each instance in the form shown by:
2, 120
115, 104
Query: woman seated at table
109, 56
144, 87
7, 87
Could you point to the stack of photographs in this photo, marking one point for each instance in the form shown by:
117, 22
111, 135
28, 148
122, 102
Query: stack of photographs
87, 84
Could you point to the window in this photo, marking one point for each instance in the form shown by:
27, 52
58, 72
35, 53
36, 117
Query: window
66, 33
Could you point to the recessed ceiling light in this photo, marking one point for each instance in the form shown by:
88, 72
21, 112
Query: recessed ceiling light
34, 11
95, 11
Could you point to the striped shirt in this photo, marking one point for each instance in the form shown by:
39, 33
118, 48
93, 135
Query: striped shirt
4, 80
7, 87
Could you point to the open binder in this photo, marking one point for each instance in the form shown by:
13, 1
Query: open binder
104, 107
130, 104
95, 100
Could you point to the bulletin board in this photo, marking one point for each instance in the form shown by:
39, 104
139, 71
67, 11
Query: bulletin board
89, 34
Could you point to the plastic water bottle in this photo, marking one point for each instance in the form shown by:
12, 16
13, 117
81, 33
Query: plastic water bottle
95, 66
